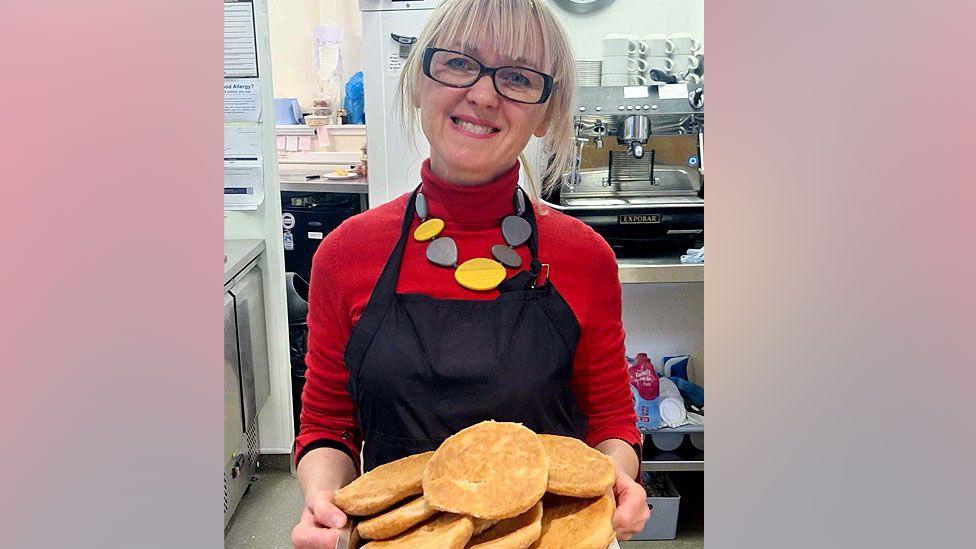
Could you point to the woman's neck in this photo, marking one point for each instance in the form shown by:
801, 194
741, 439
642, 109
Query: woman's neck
459, 176
486, 202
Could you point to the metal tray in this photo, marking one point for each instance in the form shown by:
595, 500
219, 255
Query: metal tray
669, 181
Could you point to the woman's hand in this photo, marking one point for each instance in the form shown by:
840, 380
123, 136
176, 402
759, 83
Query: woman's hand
632, 510
320, 523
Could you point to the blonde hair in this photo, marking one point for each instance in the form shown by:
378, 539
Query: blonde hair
525, 30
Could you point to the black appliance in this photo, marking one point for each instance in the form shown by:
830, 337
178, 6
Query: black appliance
306, 218
296, 295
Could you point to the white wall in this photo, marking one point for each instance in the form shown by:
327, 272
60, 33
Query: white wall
345, 15
632, 17
291, 23
292, 43
666, 320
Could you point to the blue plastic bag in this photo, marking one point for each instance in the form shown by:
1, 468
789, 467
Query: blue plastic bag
675, 366
354, 102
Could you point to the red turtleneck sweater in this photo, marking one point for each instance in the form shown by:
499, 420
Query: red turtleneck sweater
350, 259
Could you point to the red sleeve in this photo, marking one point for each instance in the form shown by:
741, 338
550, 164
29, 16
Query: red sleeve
328, 416
599, 377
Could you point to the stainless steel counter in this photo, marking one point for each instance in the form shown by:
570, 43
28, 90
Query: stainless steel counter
643, 271
238, 253
298, 183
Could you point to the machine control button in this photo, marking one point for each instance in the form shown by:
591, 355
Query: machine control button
697, 98
630, 107
620, 107
599, 109
653, 107
646, 107
582, 109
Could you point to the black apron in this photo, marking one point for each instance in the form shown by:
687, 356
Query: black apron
421, 369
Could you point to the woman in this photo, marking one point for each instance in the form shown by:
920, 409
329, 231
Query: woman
404, 347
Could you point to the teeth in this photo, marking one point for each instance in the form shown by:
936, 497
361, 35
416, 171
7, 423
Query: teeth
473, 128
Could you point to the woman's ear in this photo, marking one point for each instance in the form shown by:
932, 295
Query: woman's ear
543, 128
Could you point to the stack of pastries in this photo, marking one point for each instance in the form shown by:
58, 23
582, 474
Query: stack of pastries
491, 486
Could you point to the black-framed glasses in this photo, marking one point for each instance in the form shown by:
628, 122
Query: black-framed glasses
460, 70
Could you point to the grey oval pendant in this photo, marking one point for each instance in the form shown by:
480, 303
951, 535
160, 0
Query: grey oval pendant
516, 230
443, 252
519, 201
506, 256
421, 206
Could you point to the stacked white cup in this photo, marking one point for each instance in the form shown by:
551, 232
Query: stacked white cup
684, 47
623, 61
657, 51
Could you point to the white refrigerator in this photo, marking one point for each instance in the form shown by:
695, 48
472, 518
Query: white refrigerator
394, 165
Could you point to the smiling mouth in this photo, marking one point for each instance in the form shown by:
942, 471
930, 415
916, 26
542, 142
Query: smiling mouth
473, 128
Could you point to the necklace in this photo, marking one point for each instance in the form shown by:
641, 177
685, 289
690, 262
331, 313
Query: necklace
480, 273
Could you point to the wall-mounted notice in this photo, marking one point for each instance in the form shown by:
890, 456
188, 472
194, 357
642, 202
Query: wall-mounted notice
242, 143
243, 185
240, 45
395, 65
242, 100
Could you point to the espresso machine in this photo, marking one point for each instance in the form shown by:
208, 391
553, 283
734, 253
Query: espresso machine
637, 177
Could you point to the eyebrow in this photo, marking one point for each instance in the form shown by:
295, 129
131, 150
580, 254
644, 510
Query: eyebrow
521, 61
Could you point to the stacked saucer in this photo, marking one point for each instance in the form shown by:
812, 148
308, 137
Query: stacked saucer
588, 72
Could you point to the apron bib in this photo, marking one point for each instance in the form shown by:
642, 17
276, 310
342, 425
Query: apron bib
421, 369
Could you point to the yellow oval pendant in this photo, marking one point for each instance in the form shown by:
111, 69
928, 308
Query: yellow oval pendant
428, 229
480, 274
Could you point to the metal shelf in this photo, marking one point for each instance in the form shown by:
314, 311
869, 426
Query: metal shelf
659, 270
689, 428
685, 458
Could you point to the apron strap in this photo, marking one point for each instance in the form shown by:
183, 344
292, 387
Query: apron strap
386, 285
535, 265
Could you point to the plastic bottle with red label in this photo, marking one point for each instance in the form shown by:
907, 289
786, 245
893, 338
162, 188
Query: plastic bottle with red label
645, 386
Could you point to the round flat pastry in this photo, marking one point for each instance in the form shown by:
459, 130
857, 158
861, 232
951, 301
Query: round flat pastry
577, 523
396, 521
385, 485
577, 470
444, 531
514, 533
490, 470
480, 525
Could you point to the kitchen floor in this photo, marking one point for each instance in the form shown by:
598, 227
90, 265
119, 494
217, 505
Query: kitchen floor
270, 509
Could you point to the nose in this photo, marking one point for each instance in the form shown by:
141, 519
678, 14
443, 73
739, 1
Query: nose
482, 92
